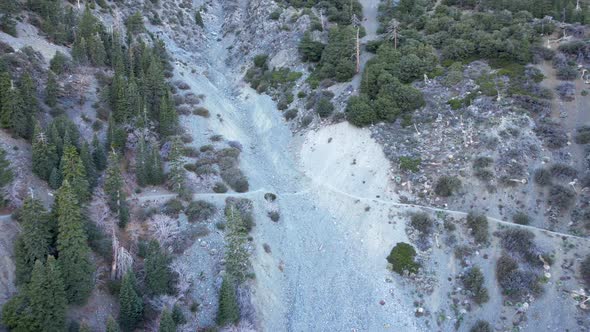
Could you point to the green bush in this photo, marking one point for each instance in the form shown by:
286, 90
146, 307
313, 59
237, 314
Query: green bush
585, 270
200, 210
447, 185
290, 114
542, 177
220, 187
481, 326
173, 207
473, 281
360, 112
479, 227
582, 135
521, 218
409, 164
422, 222
561, 196
324, 107
402, 257
260, 60
275, 15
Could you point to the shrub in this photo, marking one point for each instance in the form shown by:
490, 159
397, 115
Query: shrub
260, 60
520, 242
447, 185
585, 270
542, 177
60, 63
220, 187
190, 151
402, 257
482, 162
275, 15
200, 210
473, 281
514, 282
567, 73
521, 218
202, 111
479, 227
561, 196
481, 326
421, 222
582, 135
207, 147
274, 216
324, 107
270, 197
563, 171
552, 135
409, 164
291, 114
190, 167
173, 207
360, 112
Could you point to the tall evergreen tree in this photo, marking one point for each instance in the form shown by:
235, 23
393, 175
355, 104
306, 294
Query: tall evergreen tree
96, 51
55, 179
177, 173
98, 154
119, 101
44, 156
155, 87
79, 51
168, 121
131, 305
36, 238
157, 272
16, 314
112, 325
6, 175
5, 100
89, 167
113, 187
74, 253
166, 322
229, 311
30, 103
51, 90
73, 171
47, 296
116, 136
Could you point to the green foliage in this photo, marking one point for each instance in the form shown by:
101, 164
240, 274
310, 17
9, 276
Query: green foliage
148, 168
167, 323
542, 177
585, 270
324, 107
51, 90
98, 154
473, 281
59, 64
74, 253
336, 61
35, 241
309, 49
6, 174
168, 121
521, 218
199, 19
422, 223
200, 211
409, 164
360, 112
178, 315
481, 326
47, 296
112, 325
478, 224
134, 23
74, 172
131, 305
236, 254
447, 185
113, 188
228, 311
158, 276
402, 257
177, 173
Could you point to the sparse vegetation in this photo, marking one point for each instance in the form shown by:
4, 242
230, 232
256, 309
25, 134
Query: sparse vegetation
422, 223
198, 211
409, 164
481, 326
542, 177
473, 281
585, 270
561, 197
521, 218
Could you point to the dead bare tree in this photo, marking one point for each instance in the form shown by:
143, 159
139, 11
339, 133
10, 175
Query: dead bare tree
164, 228
392, 31
122, 259
322, 18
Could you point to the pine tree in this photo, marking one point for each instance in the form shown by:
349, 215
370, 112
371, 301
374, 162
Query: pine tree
229, 311
116, 136
73, 171
96, 51
74, 253
98, 154
166, 322
51, 90
176, 176
168, 121
156, 169
55, 179
47, 296
131, 305
119, 101
178, 315
89, 167
30, 106
155, 87
6, 174
35, 239
44, 154
113, 187
141, 165
157, 272
5, 100
112, 325
16, 314
80, 51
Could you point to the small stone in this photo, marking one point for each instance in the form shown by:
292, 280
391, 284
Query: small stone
382, 302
